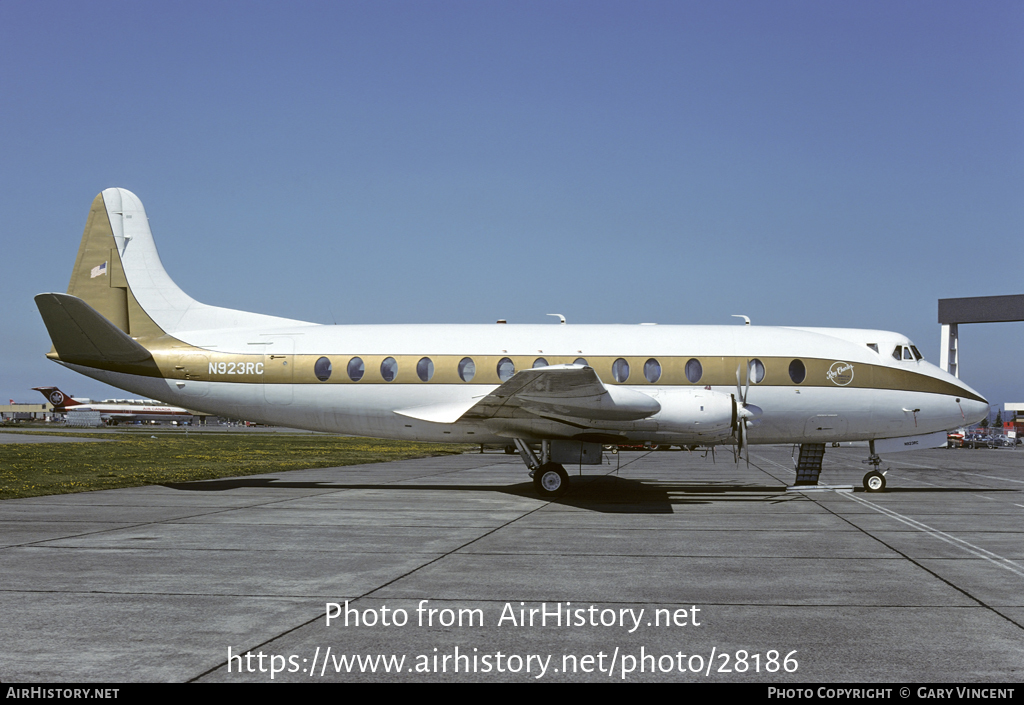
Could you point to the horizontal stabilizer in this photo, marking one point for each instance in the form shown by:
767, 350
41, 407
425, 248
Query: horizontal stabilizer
81, 335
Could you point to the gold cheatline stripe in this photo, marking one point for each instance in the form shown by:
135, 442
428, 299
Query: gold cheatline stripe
184, 362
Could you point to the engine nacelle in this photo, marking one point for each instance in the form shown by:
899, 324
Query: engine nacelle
700, 415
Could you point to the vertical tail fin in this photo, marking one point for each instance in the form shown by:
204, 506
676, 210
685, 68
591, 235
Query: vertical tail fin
99, 275
119, 274
59, 399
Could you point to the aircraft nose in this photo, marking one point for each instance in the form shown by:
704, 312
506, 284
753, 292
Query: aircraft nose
974, 410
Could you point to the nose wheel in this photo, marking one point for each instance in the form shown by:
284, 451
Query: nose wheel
550, 480
874, 481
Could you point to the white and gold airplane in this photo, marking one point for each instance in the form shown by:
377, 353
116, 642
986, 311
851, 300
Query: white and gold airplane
557, 393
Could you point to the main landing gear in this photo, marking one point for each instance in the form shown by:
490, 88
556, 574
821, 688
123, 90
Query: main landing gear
874, 481
549, 479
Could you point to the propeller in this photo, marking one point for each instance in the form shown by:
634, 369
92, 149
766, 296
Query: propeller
744, 412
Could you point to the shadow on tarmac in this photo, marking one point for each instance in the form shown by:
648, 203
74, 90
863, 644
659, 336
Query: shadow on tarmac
602, 493
596, 493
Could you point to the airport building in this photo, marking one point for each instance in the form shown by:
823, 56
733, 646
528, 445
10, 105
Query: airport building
979, 309
15, 412
26, 412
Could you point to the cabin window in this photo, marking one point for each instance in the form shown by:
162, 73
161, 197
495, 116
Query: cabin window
652, 370
907, 355
897, 353
797, 371
620, 370
694, 370
756, 371
917, 353
356, 369
540, 362
389, 369
322, 369
467, 369
425, 369
581, 361
506, 368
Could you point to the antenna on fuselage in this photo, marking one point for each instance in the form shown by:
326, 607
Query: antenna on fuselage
560, 316
745, 318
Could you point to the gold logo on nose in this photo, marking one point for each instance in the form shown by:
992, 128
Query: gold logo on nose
840, 373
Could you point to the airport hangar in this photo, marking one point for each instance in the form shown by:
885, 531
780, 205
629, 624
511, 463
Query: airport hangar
975, 309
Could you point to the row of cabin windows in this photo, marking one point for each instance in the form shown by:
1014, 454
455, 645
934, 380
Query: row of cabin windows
506, 368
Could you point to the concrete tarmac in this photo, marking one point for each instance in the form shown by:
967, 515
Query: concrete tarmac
665, 568
43, 438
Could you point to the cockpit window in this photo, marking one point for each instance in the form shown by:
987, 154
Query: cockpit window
907, 352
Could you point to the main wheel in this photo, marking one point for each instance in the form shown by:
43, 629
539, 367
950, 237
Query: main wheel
550, 480
874, 481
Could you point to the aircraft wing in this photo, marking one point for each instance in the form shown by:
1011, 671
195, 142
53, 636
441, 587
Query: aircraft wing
571, 392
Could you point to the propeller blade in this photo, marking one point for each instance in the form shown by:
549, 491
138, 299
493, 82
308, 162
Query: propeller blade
750, 367
746, 442
744, 411
741, 427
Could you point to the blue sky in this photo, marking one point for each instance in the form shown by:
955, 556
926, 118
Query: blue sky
804, 163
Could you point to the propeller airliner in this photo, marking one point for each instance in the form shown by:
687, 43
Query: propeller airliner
556, 393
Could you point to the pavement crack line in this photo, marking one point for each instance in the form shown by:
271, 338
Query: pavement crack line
368, 593
993, 558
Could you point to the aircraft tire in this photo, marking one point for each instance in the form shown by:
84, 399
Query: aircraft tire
551, 480
874, 481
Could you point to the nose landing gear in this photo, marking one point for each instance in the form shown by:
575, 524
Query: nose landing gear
874, 481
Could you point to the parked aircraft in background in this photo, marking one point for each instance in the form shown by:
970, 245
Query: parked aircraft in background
115, 411
565, 389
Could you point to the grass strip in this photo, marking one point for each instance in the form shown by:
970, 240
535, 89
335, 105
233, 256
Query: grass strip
130, 460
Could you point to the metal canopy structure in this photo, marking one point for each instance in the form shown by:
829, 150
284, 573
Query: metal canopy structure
976, 309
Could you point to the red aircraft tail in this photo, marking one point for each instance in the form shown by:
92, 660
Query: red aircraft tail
56, 397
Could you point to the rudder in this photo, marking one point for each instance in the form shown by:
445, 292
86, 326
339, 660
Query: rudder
98, 277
